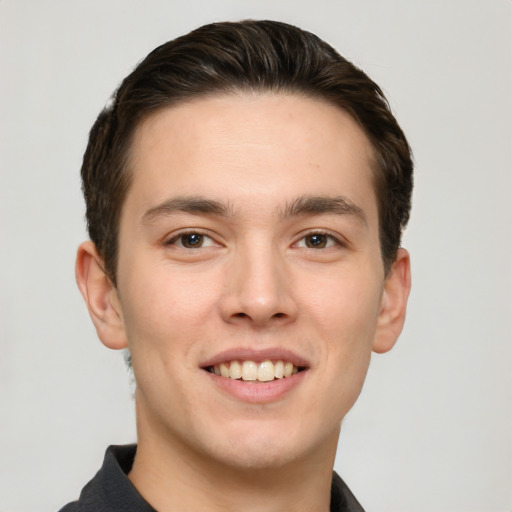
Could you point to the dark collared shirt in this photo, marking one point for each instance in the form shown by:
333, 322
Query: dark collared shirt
111, 490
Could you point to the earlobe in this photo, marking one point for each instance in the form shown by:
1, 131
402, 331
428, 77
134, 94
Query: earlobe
394, 303
100, 296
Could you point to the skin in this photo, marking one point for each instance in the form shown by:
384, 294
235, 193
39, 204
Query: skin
254, 284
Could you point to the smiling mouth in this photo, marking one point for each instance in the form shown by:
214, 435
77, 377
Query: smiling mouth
251, 371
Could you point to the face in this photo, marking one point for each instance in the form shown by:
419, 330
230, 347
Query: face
249, 238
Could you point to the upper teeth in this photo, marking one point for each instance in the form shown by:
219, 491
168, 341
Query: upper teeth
249, 370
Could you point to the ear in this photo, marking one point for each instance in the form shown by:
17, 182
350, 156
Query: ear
100, 296
394, 303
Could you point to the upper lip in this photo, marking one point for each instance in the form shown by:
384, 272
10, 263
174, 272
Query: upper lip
256, 355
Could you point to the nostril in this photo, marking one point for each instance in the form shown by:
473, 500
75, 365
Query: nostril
245, 315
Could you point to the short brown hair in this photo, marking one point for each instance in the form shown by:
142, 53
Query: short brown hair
234, 57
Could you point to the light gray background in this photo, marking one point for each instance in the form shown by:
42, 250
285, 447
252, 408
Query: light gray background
432, 430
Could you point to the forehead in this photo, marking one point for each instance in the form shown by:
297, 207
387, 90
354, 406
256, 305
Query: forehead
246, 147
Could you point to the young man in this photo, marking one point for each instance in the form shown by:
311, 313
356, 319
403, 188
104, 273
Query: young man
246, 192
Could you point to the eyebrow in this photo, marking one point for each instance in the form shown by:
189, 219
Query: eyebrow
193, 204
304, 205
319, 205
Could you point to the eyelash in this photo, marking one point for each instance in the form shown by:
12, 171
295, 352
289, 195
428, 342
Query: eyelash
179, 238
330, 238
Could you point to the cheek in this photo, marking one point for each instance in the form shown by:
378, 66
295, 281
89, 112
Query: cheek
345, 324
165, 314
348, 305
162, 306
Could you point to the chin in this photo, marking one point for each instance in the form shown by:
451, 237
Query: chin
263, 456
260, 449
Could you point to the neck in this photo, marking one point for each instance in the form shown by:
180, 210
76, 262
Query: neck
174, 477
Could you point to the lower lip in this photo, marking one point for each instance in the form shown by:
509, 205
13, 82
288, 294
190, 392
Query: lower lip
255, 391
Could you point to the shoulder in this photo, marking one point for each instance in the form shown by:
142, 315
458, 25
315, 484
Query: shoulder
110, 490
342, 499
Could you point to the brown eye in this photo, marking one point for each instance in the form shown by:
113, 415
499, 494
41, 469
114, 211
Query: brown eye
192, 240
316, 241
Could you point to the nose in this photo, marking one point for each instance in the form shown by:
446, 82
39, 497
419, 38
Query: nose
258, 288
